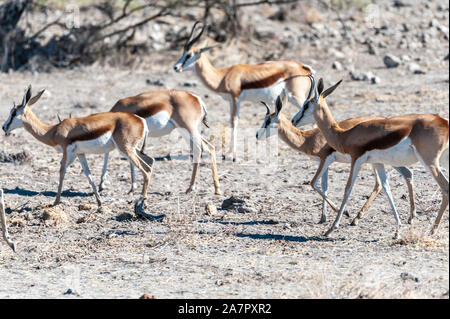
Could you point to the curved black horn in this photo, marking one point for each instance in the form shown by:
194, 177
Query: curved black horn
267, 107
190, 42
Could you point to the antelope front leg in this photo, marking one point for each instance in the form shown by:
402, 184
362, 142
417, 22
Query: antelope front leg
133, 178
356, 165
62, 173
234, 121
373, 195
322, 172
3, 222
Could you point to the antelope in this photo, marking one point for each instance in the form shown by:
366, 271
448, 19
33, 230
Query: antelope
313, 143
243, 82
3, 222
399, 140
163, 111
94, 134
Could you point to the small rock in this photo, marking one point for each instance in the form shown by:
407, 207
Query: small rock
232, 202
415, 68
17, 158
375, 80
86, 207
391, 61
190, 84
147, 296
158, 82
372, 49
406, 276
337, 66
406, 58
210, 209
17, 222
87, 219
400, 4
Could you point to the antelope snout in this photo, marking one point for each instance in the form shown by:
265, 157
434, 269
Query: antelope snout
177, 68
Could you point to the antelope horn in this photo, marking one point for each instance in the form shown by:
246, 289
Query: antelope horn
267, 107
190, 42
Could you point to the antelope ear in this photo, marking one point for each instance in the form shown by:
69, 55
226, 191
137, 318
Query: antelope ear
26, 97
320, 86
279, 105
331, 89
206, 49
35, 98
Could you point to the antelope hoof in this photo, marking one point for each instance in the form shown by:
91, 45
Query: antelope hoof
190, 189
56, 202
12, 245
139, 210
354, 222
323, 220
329, 231
218, 192
100, 188
433, 231
346, 214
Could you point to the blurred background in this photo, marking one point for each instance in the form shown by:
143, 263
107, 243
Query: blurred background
39, 35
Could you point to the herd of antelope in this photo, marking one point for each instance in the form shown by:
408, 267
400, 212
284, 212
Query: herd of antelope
398, 141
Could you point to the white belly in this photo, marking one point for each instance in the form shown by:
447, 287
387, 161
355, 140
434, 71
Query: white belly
100, 145
342, 158
268, 94
402, 154
159, 124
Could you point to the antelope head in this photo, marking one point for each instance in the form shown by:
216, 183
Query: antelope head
271, 120
191, 54
306, 113
14, 120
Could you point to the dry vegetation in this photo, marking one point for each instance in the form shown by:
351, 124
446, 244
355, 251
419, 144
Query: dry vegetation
270, 245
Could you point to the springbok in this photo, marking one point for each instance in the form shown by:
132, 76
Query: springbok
237, 83
95, 134
398, 140
163, 111
3, 223
313, 143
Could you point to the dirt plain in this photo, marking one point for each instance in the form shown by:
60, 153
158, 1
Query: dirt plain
273, 248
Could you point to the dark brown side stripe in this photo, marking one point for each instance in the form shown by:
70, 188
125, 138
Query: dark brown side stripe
263, 83
386, 141
152, 110
86, 136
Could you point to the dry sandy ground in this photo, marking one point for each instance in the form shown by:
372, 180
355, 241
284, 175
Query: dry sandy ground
275, 249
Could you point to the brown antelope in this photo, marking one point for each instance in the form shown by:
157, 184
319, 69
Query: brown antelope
3, 223
399, 140
95, 134
163, 111
237, 83
313, 143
